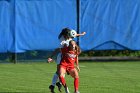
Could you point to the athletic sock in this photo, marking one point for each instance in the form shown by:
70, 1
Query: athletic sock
76, 84
54, 80
62, 79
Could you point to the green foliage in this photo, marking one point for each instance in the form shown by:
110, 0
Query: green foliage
33, 53
111, 53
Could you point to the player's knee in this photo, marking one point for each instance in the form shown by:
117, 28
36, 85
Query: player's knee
76, 77
61, 75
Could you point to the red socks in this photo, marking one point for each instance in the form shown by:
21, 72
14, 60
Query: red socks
62, 79
76, 83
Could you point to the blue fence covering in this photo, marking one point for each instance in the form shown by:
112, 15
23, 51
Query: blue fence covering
35, 24
38, 23
110, 24
4, 26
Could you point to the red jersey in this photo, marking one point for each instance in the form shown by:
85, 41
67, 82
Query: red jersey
68, 58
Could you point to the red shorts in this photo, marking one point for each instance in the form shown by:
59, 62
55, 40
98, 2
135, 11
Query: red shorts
67, 67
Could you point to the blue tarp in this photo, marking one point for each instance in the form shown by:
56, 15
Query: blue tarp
35, 24
110, 24
38, 23
5, 36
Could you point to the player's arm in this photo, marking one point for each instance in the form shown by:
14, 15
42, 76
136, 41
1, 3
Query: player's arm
82, 34
77, 63
78, 51
53, 54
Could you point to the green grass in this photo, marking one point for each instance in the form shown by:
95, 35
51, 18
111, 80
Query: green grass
95, 77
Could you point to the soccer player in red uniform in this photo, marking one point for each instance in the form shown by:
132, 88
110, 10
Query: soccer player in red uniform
65, 36
69, 58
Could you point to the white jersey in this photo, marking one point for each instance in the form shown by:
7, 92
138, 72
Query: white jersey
62, 43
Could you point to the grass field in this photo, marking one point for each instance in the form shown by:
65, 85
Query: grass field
95, 77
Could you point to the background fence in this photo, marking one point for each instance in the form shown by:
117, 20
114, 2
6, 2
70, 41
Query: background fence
28, 25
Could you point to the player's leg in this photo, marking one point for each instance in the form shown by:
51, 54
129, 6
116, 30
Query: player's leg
62, 71
58, 84
62, 79
54, 80
56, 76
75, 75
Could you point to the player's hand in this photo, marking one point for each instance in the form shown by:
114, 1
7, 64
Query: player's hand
78, 68
83, 33
50, 60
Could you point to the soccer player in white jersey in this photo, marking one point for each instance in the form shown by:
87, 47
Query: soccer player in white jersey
65, 36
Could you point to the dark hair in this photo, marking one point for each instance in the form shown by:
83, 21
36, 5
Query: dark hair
64, 32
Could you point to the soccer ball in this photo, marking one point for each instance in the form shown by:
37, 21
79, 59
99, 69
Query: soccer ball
73, 33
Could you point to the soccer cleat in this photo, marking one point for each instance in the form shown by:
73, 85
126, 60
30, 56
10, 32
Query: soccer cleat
51, 87
58, 84
67, 90
77, 92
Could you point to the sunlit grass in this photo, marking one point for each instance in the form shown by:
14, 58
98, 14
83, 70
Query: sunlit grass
95, 77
